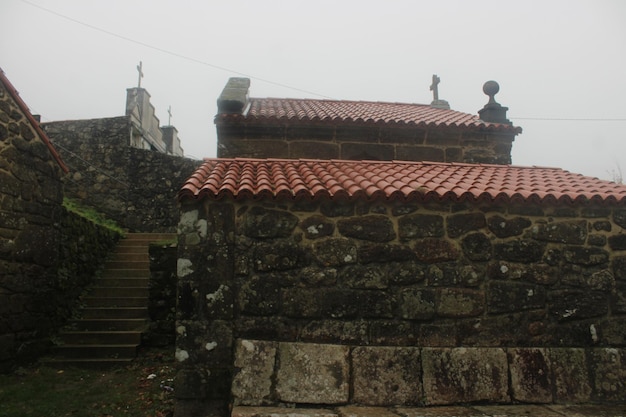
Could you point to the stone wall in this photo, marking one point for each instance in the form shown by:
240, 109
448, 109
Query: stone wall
535, 292
35, 303
162, 300
362, 142
135, 187
30, 211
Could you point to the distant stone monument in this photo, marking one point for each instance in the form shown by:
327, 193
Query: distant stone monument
436, 103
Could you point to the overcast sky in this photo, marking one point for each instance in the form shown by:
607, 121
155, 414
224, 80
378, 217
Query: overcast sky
558, 61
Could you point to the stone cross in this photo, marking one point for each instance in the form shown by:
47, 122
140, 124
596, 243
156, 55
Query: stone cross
139, 70
433, 87
169, 118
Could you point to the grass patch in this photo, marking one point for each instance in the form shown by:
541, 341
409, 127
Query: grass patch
123, 391
92, 215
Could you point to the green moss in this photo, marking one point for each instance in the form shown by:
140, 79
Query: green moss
92, 215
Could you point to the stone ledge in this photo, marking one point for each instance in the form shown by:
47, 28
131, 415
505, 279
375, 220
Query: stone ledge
475, 411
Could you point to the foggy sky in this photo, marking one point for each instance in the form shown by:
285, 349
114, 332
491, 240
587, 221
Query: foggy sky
554, 60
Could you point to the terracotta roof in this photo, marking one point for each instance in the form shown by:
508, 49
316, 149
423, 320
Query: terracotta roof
269, 109
423, 181
42, 135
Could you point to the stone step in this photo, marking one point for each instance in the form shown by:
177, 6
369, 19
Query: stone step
132, 256
100, 337
107, 324
125, 273
92, 363
95, 351
124, 281
124, 264
119, 301
115, 312
141, 292
148, 238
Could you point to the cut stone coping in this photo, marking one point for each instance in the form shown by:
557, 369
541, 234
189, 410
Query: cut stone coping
447, 411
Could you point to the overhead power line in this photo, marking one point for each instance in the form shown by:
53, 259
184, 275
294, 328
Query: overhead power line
566, 119
172, 53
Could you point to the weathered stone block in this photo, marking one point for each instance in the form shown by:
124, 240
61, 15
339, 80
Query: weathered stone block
375, 228
505, 297
265, 223
190, 384
393, 332
576, 304
317, 277
420, 153
571, 377
476, 247
242, 411
453, 275
617, 242
618, 298
418, 225
278, 256
311, 149
386, 375
431, 250
619, 267
315, 227
602, 225
384, 253
336, 331
312, 373
580, 255
360, 411
364, 277
521, 250
406, 273
335, 252
530, 375
367, 151
416, 303
337, 208
608, 373
459, 224
619, 217
460, 302
572, 232
259, 295
462, 375
254, 368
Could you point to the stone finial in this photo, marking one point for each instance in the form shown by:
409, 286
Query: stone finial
493, 112
234, 97
437, 103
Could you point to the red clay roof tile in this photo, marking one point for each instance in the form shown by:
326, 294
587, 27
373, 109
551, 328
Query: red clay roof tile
424, 181
269, 109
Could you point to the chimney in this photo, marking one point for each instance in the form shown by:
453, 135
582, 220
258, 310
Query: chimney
493, 112
234, 97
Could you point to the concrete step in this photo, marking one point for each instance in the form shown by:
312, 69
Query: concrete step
141, 292
115, 312
107, 324
128, 337
92, 301
95, 351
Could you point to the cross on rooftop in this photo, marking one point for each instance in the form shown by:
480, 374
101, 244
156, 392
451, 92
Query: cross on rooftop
434, 88
139, 70
169, 118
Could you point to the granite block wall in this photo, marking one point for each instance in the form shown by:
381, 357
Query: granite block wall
533, 291
362, 142
135, 187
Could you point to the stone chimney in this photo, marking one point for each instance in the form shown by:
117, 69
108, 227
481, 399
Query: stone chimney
234, 97
493, 112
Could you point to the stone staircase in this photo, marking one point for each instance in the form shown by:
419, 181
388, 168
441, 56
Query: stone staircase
114, 311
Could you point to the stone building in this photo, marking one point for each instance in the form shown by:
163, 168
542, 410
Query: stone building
359, 130
127, 167
31, 197
322, 283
